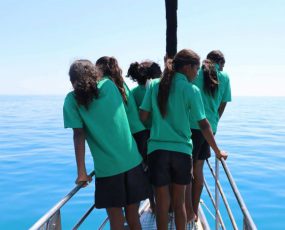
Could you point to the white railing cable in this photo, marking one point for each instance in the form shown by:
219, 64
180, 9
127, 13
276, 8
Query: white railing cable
83, 217
224, 198
239, 198
213, 202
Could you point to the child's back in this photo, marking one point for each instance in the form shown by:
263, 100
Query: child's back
107, 130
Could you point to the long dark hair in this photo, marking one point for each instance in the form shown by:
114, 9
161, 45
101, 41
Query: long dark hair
216, 56
110, 67
211, 82
83, 76
143, 71
182, 58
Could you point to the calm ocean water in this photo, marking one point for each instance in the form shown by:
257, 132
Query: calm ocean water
37, 165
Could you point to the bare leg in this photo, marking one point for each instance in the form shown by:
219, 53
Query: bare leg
179, 206
132, 216
198, 183
189, 204
116, 218
162, 198
151, 199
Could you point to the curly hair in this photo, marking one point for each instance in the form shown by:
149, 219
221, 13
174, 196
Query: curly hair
211, 81
182, 58
83, 76
143, 71
110, 67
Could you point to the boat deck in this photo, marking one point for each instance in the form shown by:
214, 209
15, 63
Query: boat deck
148, 222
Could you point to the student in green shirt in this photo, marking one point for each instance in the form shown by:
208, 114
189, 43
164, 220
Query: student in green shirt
172, 100
110, 68
142, 73
95, 111
216, 92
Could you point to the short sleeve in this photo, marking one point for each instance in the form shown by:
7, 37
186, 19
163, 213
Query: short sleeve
196, 105
227, 96
146, 103
71, 116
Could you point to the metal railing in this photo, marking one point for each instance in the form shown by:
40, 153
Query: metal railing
51, 220
248, 223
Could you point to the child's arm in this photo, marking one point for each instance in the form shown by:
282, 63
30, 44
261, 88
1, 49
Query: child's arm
222, 108
144, 115
79, 147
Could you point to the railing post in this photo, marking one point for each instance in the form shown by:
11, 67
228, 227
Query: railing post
217, 191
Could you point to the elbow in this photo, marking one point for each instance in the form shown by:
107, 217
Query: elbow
78, 133
204, 124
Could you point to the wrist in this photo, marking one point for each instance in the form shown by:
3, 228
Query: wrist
217, 151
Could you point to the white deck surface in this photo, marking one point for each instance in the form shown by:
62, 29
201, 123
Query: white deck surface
148, 222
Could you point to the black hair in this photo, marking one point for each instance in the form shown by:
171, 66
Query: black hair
144, 71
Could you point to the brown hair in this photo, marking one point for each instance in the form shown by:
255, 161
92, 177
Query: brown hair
110, 67
182, 58
211, 81
83, 76
216, 56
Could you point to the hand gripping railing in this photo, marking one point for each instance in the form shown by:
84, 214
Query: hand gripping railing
248, 223
51, 220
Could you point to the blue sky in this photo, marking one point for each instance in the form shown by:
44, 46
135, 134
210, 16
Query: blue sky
40, 39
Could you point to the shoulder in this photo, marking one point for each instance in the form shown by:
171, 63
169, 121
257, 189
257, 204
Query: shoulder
199, 78
135, 89
69, 98
106, 83
191, 91
224, 75
192, 88
70, 101
154, 82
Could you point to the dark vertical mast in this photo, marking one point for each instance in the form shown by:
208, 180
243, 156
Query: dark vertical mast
171, 27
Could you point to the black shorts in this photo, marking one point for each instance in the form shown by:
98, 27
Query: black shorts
168, 167
141, 140
201, 148
122, 189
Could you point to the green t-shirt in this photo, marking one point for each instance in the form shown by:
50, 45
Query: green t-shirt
138, 93
107, 130
173, 132
212, 104
132, 112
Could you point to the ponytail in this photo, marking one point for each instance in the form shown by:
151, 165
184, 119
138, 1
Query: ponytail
182, 58
164, 87
211, 81
110, 67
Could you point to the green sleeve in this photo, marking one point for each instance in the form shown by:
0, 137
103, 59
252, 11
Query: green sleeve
146, 103
71, 116
196, 105
227, 96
